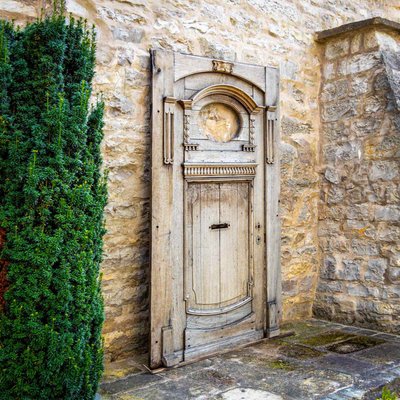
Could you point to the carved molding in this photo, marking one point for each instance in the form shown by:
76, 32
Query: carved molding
219, 170
249, 148
270, 139
191, 146
222, 66
231, 91
168, 130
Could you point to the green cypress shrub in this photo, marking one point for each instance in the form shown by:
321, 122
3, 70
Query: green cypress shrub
52, 197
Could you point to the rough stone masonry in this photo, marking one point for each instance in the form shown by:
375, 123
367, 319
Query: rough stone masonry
359, 228
266, 32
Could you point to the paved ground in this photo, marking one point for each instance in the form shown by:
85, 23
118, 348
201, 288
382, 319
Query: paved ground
321, 361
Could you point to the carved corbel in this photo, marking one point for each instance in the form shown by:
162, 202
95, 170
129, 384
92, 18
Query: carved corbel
187, 114
252, 130
270, 139
169, 111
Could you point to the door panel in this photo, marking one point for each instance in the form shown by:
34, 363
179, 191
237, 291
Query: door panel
219, 269
206, 245
234, 248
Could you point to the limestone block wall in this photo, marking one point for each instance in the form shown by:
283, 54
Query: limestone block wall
266, 32
359, 215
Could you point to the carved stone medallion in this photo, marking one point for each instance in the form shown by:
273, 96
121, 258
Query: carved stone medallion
219, 122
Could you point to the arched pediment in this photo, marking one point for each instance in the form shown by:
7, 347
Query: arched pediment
231, 91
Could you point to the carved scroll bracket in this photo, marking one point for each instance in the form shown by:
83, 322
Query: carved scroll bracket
270, 139
168, 130
187, 115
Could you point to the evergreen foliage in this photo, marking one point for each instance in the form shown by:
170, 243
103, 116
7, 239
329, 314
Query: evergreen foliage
52, 196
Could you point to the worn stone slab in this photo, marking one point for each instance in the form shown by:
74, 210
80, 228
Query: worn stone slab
387, 353
273, 369
304, 329
354, 345
348, 393
387, 337
393, 386
345, 364
247, 393
326, 338
132, 381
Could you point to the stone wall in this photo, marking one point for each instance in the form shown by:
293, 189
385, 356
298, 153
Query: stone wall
266, 32
360, 190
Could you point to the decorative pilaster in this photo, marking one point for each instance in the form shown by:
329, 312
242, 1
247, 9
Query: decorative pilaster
168, 142
270, 135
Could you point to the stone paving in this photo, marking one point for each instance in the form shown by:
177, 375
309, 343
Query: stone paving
321, 360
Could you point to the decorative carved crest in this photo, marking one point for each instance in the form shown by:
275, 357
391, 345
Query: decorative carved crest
222, 66
168, 134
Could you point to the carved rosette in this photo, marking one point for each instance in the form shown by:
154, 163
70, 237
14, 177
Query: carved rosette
270, 139
168, 130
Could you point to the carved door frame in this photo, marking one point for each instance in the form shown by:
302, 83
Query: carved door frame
168, 188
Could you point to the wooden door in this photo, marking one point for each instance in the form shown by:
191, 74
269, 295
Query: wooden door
215, 281
219, 271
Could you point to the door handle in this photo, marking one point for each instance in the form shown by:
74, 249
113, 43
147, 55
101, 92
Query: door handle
219, 226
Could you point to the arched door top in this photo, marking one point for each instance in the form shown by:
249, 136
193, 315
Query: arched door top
232, 91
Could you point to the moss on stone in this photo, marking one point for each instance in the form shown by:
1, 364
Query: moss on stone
299, 352
355, 344
302, 330
282, 364
327, 338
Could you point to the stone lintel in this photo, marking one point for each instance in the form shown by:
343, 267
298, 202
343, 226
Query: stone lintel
376, 22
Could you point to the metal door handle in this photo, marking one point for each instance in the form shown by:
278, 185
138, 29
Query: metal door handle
220, 226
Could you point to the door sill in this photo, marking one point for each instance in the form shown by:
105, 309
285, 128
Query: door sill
230, 343
218, 353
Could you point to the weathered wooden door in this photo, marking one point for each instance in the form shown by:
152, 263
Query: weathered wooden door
215, 278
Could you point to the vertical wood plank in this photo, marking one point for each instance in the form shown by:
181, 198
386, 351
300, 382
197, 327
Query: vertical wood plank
178, 320
162, 206
194, 242
257, 204
243, 236
272, 175
230, 276
206, 274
